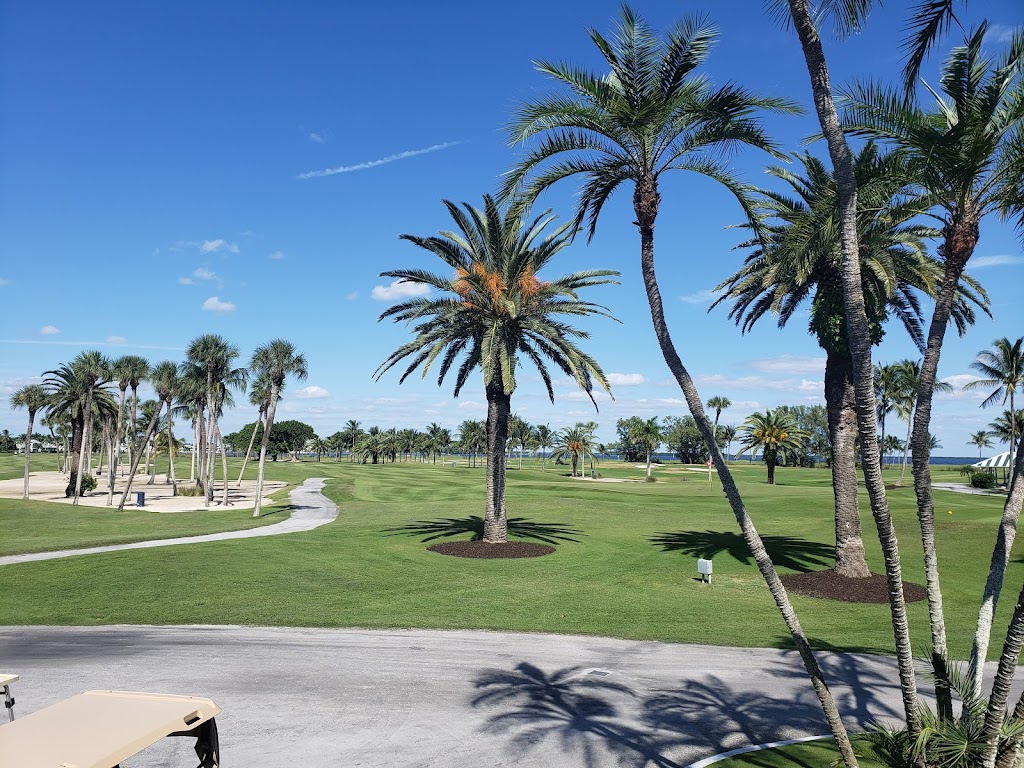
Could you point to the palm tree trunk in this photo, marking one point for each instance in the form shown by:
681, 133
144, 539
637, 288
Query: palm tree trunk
73, 453
170, 453
268, 422
499, 408
840, 403
996, 573
957, 248
1001, 684
906, 449
224, 466
646, 200
83, 451
136, 455
248, 451
28, 449
648, 463
860, 349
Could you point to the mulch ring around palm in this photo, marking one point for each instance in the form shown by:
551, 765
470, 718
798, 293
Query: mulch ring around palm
829, 585
487, 550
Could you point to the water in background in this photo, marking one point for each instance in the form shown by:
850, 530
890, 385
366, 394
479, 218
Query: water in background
957, 461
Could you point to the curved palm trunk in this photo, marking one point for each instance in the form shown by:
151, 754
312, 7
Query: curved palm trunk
499, 407
906, 450
224, 466
28, 449
268, 423
860, 349
996, 573
248, 451
72, 455
1001, 684
961, 238
645, 202
137, 455
171, 476
840, 405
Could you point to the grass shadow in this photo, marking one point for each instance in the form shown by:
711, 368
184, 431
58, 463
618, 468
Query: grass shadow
518, 527
785, 551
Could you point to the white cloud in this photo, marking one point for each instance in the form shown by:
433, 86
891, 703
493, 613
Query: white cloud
999, 260
312, 393
626, 379
184, 281
374, 163
790, 364
116, 340
957, 382
471, 405
700, 297
399, 289
318, 137
213, 246
794, 386
214, 304
276, 255
352, 296
1000, 34
4, 281
49, 330
202, 273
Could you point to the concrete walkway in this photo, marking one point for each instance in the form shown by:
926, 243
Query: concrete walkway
320, 698
311, 509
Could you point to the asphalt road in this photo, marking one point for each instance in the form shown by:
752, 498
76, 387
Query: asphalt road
319, 697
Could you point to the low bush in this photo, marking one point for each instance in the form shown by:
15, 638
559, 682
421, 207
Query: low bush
983, 480
190, 490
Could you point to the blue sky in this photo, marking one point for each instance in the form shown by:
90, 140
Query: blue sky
169, 170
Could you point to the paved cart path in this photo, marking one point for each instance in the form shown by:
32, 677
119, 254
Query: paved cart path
310, 509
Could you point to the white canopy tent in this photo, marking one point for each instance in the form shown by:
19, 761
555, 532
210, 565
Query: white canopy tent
999, 461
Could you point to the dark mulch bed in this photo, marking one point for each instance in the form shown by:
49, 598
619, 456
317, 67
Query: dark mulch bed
486, 550
829, 585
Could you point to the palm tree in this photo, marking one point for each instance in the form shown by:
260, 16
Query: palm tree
211, 356
719, 403
650, 114
273, 361
573, 442
727, 435
849, 16
891, 445
886, 384
776, 434
797, 256
76, 394
31, 397
165, 381
472, 438
499, 313
1003, 368
1008, 427
981, 439
129, 371
519, 431
94, 370
908, 376
969, 149
259, 395
543, 436
352, 433
648, 433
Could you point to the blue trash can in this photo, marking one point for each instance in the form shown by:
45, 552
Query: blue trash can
140, 498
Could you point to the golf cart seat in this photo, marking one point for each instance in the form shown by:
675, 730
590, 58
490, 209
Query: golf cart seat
99, 729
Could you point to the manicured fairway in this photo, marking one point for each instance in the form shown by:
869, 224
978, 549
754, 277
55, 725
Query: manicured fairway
625, 564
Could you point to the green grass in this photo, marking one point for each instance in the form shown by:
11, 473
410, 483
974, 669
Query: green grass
811, 754
625, 566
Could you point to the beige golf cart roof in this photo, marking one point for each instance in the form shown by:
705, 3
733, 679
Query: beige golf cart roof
99, 729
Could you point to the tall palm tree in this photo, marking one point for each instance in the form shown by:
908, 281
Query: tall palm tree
886, 384
1001, 367
981, 439
131, 371
719, 403
970, 152
473, 438
165, 381
352, 433
652, 113
496, 312
647, 433
797, 256
849, 16
259, 395
211, 356
908, 376
519, 431
274, 362
775, 433
543, 436
573, 442
94, 369
31, 397
727, 435
434, 433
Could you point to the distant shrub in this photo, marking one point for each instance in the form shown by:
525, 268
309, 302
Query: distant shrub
190, 490
650, 479
88, 483
983, 480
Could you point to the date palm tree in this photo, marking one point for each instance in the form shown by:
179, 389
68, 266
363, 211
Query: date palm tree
273, 362
31, 397
519, 431
573, 442
472, 438
774, 433
494, 313
797, 257
650, 113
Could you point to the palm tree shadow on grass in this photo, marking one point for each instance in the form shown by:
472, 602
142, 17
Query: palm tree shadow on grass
785, 551
518, 528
